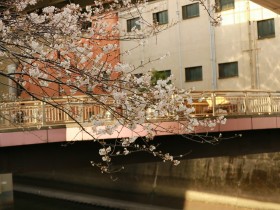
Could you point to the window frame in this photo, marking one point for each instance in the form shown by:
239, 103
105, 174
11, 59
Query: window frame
85, 25
156, 17
222, 71
138, 75
268, 35
193, 68
129, 23
185, 11
222, 7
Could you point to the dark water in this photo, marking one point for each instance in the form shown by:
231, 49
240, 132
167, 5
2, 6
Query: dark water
23, 201
254, 177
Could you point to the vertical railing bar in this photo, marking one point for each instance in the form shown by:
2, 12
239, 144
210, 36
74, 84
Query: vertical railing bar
81, 109
44, 113
270, 102
213, 96
246, 103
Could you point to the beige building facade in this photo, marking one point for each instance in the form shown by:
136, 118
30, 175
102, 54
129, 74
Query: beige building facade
241, 53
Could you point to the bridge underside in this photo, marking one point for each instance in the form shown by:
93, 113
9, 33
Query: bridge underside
60, 156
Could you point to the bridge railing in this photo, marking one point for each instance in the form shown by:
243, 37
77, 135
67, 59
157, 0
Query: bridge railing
57, 111
82, 108
236, 103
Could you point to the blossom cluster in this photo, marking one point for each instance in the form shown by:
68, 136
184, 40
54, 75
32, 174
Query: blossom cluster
58, 55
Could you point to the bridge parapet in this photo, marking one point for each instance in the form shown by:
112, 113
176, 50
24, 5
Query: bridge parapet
234, 103
63, 111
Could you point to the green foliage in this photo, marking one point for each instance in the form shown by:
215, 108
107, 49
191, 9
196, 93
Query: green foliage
157, 75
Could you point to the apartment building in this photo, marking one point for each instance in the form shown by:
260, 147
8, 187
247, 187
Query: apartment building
53, 68
242, 52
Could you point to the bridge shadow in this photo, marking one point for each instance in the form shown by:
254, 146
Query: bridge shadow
230, 172
57, 156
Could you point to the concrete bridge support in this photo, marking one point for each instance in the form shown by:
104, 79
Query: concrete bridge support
6, 191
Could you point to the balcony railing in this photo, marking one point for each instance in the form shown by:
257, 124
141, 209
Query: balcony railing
82, 108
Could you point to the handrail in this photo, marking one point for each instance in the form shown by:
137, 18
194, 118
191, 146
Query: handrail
81, 108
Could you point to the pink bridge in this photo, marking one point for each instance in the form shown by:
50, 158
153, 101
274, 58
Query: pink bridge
35, 122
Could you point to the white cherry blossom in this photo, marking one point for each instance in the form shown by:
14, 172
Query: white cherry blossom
57, 55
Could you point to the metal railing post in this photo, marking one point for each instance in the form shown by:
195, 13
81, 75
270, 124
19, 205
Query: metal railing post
43, 113
213, 97
81, 111
246, 108
271, 105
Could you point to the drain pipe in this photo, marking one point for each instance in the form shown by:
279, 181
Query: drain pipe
179, 47
212, 50
12, 86
251, 50
257, 65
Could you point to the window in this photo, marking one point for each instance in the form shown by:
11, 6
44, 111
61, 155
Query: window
157, 75
227, 70
138, 75
133, 24
190, 11
161, 17
222, 5
193, 74
266, 28
86, 25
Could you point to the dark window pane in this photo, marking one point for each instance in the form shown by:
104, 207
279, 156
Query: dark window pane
193, 74
190, 11
133, 24
86, 25
138, 75
224, 5
227, 4
228, 70
266, 28
161, 17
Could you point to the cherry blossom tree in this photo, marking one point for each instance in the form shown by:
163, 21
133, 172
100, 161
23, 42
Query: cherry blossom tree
53, 54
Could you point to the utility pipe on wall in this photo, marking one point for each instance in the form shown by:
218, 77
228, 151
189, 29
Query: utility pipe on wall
179, 45
251, 50
212, 51
12, 86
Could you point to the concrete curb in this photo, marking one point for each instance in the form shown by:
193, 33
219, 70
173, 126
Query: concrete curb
229, 200
86, 198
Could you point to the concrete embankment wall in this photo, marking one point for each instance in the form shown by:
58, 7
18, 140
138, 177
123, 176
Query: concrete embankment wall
6, 191
250, 177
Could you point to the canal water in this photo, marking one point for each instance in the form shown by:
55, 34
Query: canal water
254, 179
24, 201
